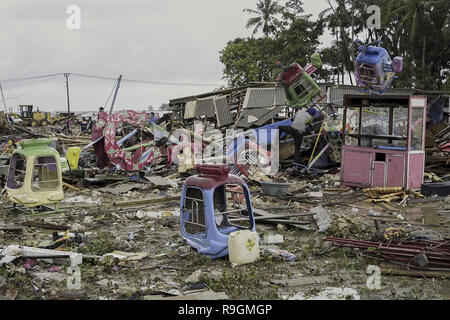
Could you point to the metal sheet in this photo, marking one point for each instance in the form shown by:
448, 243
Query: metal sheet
205, 107
189, 111
222, 111
280, 96
256, 116
269, 116
336, 93
259, 98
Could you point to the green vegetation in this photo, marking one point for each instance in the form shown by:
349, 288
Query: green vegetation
417, 30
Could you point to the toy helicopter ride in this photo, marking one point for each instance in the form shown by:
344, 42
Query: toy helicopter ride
374, 68
34, 181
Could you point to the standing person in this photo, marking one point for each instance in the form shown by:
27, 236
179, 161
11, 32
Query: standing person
152, 118
101, 114
100, 111
297, 131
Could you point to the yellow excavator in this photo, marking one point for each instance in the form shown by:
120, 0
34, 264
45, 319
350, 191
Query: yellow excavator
36, 118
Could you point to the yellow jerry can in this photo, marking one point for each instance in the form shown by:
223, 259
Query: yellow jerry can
73, 157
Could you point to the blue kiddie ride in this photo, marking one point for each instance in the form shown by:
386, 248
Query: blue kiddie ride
374, 69
213, 205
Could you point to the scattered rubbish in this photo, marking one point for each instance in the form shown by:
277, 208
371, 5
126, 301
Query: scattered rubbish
441, 189
121, 188
128, 256
315, 194
273, 238
81, 199
282, 254
206, 295
160, 181
374, 213
322, 218
328, 293
141, 215
437, 252
143, 202
195, 277
88, 220
12, 252
302, 281
274, 188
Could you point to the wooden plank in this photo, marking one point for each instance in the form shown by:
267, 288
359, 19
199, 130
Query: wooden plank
304, 281
146, 201
15, 229
43, 225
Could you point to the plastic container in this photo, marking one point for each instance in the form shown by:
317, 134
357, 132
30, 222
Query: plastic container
275, 189
243, 247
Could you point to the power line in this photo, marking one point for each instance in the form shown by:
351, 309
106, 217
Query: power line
32, 78
198, 84
58, 87
90, 76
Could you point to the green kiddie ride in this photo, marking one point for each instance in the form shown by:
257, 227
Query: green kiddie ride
300, 87
35, 177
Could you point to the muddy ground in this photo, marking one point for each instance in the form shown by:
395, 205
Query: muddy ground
171, 268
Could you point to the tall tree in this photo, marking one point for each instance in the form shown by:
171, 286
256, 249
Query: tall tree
341, 18
265, 19
249, 60
254, 59
419, 31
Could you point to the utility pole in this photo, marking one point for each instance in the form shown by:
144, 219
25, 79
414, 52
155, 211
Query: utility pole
3, 97
115, 94
68, 100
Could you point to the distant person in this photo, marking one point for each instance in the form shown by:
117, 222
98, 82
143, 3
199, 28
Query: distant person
152, 118
101, 110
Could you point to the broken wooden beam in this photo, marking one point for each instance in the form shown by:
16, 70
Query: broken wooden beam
13, 229
43, 225
135, 202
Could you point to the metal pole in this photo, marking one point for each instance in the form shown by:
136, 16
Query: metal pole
68, 100
3, 97
115, 94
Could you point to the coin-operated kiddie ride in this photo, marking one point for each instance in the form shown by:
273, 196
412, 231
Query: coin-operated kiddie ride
213, 205
374, 68
300, 87
35, 178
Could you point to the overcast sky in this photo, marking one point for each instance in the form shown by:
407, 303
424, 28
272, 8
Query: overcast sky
166, 41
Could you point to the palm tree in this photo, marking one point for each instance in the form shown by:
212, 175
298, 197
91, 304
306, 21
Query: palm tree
266, 11
339, 18
414, 16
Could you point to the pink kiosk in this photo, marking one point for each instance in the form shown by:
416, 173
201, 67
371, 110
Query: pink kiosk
384, 144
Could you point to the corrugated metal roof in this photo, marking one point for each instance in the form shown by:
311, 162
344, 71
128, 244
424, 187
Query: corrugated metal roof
337, 92
259, 98
269, 115
222, 110
205, 107
189, 111
280, 96
256, 116
264, 97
